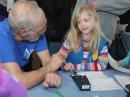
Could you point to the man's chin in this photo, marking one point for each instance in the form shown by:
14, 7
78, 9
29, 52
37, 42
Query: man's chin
33, 40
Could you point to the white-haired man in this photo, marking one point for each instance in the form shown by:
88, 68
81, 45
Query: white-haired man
20, 35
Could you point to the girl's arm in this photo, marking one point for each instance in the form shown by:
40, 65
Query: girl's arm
58, 59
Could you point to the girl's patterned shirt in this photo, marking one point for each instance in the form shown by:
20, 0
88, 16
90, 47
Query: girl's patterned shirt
86, 59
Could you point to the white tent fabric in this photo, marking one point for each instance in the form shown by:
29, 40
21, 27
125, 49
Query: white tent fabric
9, 4
116, 66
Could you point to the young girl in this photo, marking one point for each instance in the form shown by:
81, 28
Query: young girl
85, 48
10, 86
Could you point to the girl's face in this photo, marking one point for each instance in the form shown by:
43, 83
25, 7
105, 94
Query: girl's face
85, 23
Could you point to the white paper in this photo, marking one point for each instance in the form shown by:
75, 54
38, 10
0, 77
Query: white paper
104, 84
99, 81
123, 80
93, 74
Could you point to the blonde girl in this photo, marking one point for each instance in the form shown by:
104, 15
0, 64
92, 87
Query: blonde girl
85, 47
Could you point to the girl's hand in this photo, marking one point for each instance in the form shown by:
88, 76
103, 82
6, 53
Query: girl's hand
69, 67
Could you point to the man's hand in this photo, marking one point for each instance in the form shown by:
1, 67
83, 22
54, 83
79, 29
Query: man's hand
51, 79
93, 4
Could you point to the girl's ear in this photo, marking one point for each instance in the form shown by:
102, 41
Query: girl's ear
23, 32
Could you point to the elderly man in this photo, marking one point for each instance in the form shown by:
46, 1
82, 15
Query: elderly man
20, 35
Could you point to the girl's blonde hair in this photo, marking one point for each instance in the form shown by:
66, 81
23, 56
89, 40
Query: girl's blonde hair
74, 35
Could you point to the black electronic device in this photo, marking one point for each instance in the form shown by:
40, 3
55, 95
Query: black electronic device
82, 82
128, 94
127, 87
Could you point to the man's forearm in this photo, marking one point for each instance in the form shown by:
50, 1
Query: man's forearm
32, 78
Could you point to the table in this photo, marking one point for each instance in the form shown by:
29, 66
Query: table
69, 89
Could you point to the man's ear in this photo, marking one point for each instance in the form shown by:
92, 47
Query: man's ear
23, 32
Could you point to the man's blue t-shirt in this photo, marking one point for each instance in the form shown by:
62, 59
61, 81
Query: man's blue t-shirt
13, 51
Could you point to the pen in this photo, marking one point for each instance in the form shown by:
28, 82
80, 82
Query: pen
58, 93
73, 72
